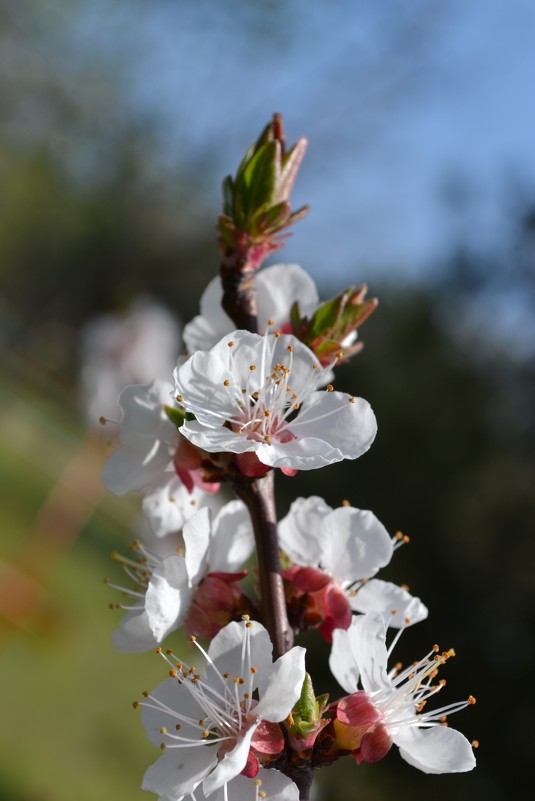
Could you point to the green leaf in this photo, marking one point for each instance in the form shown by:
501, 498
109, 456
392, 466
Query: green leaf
177, 416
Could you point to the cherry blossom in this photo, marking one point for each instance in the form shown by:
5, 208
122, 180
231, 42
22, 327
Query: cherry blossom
210, 726
196, 589
390, 709
335, 554
253, 393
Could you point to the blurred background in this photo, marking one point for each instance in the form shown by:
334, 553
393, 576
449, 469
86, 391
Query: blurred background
118, 121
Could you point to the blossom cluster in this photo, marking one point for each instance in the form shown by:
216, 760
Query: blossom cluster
241, 405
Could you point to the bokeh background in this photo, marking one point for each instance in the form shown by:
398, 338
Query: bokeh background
118, 120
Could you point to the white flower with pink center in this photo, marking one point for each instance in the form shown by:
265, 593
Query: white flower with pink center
195, 588
335, 554
259, 394
209, 725
392, 708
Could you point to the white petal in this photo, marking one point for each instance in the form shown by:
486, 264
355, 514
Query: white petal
136, 465
205, 330
178, 771
168, 505
436, 750
215, 440
367, 640
342, 662
280, 689
196, 533
226, 649
167, 597
275, 784
232, 763
134, 635
356, 544
349, 427
232, 540
278, 287
179, 701
394, 604
301, 531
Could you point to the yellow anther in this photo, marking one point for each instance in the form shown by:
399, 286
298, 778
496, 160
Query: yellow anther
345, 502
407, 620
436, 648
291, 348
230, 344
252, 367
340, 354
475, 743
226, 383
163, 730
471, 699
158, 650
206, 733
245, 617
253, 670
168, 652
135, 704
145, 693
329, 388
178, 726
277, 334
173, 673
102, 421
295, 406
270, 323
163, 746
314, 366
179, 398
192, 638
267, 413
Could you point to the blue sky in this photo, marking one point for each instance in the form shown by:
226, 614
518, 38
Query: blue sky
399, 99
396, 101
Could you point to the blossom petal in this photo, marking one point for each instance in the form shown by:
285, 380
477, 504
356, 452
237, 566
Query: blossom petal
167, 597
227, 646
367, 637
168, 505
394, 604
134, 635
301, 531
196, 533
232, 763
280, 689
278, 287
178, 772
232, 539
275, 784
349, 427
438, 749
356, 544
342, 662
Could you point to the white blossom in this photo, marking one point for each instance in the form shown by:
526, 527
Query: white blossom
164, 587
349, 545
400, 697
259, 394
207, 723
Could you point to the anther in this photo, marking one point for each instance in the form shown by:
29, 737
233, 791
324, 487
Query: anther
163, 730
471, 699
135, 704
291, 348
158, 650
163, 746
230, 344
252, 367
192, 638
179, 398
226, 383
173, 673
329, 388
145, 693
475, 743
352, 400
270, 323
346, 502
168, 652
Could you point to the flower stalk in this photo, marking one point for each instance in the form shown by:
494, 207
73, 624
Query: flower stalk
259, 497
